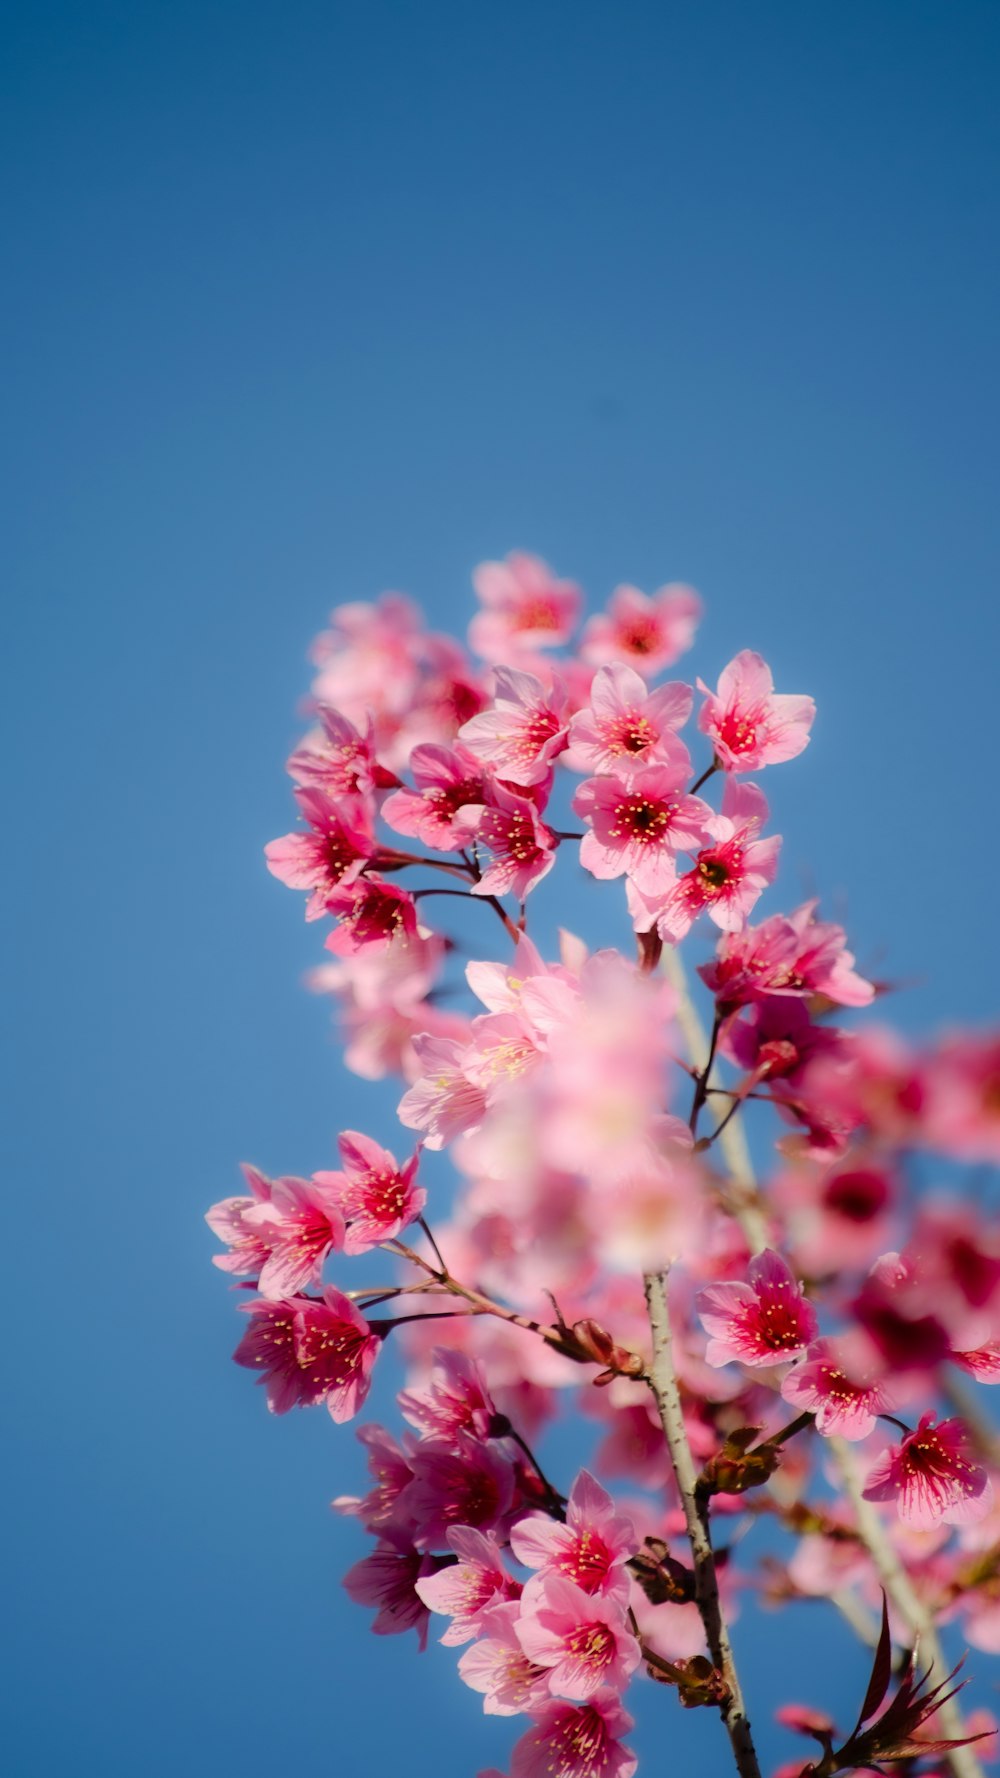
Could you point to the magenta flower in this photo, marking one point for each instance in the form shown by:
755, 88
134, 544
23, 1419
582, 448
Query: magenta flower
458, 1481
932, 1476
377, 1197
498, 1667
388, 1580
831, 1384
762, 1322
310, 1350
648, 632
639, 823
336, 1350
468, 1589
334, 852
301, 1224
523, 731
380, 1510
591, 1548
269, 1347
584, 1640
524, 607
730, 876
983, 1362
625, 725
445, 807
792, 954
576, 1741
523, 848
749, 724
776, 1039
373, 914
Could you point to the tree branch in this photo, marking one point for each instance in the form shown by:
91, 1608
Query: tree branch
663, 1382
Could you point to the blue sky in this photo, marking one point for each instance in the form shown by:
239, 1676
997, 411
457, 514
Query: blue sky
307, 301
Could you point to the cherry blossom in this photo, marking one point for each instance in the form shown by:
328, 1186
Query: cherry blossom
496, 1665
831, 1383
729, 875
301, 1223
376, 1197
582, 1638
371, 912
331, 855
524, 607
444, 808
592, 1546
625, 725
932, 1476
467, 1591
750, 725
576, 1741
639, 823
523, 848
607, 1245
643, 630
522, 732
763, 1321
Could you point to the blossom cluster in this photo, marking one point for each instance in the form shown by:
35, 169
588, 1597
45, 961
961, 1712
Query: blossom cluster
827, 1327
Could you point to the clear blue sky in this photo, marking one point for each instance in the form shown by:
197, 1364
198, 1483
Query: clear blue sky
308, 300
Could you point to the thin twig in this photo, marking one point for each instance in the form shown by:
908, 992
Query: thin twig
663, 1382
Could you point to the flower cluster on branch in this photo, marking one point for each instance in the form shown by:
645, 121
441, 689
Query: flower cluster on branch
808, 1346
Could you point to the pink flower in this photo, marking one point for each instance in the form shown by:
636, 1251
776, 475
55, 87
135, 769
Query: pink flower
498, 1667
446, 804
729, 877
626, 726
750, 726
380, 1509
983, 1363
388, 1579
372, 913
639, 823
591, 1548
523, 848
790, 954
249, 1246
457, 1481
443, 1101
647, 632
455, 1400
340, 761
831, 1384
762, 1322
524, 607
467, 1590
523, 731
932, 1476
576, 1741
301, 1223
377, 1196
334, 852
584, 1640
